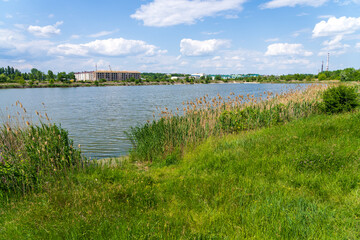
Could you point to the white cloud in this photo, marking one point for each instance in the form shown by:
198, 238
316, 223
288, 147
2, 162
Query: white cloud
336, 26
8, 16
272, 40
278, 49
46, 31
292, 3
13, 43
189, 47
357, 45
51, 15
75, 36
102, 34
231, 16
162, 13
19, 61
334, 46
302, 14
301, 31
108, 47
20, 26
325, 16
212, 33
347, 2
9, 37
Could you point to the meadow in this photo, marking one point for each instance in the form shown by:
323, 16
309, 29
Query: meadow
234, 168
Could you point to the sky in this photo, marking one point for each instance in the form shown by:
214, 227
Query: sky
180, 36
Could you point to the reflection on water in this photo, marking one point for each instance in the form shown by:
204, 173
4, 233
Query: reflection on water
97, 117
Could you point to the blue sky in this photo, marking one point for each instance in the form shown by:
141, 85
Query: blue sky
186, 36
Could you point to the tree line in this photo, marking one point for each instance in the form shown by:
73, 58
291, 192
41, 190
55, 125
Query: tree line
10, 74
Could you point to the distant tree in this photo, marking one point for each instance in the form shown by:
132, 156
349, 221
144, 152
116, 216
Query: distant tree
50, 75
71, 75
322, 76
20, 80
3, 78
218, 77
62, 76
348, 74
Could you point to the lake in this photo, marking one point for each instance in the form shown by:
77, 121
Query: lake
97, 117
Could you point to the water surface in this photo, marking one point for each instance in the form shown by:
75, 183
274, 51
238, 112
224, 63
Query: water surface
97, 117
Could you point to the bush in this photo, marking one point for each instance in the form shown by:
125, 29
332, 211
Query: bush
30, 156
340, 99
322, 76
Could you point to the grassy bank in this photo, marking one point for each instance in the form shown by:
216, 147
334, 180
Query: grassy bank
298, 181
230, 168
166, 139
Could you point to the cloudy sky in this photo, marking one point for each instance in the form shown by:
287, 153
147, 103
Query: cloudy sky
187, 36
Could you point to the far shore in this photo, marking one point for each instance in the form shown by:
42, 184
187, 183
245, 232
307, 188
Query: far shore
144, 83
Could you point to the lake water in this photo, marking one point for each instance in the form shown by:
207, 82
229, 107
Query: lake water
97, 117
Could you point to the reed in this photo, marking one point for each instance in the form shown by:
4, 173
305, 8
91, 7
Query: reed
31, 154
168, 137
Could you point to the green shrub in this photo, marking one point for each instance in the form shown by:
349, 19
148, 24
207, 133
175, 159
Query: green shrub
322, 76
340, 99
30, 156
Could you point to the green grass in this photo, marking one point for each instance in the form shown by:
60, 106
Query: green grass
296, 181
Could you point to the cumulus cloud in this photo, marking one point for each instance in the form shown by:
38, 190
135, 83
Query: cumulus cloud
8, 37
278, 49
292, 3
162, 13
189, 47
357, 45
108, 47
336, 26
46, 31
334, 46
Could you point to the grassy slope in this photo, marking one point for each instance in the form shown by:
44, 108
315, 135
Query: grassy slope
301, 180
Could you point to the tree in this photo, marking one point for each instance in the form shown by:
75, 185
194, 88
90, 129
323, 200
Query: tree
322, 76
50, 75
348, 74
3, 78
71, 75
20, 80
62, 76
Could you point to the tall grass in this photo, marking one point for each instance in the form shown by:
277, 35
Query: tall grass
167, 137
31, 154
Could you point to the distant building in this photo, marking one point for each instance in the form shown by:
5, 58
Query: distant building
234, 76
107, 75
198, 75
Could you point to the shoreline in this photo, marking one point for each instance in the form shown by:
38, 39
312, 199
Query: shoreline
111, 84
